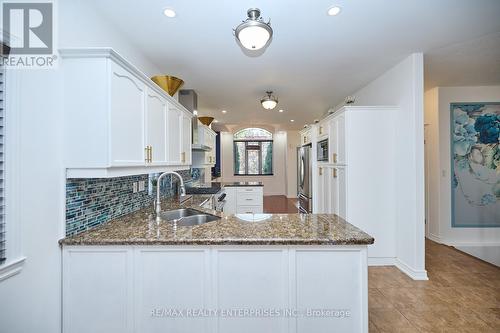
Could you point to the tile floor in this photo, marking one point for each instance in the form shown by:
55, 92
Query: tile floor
462, 295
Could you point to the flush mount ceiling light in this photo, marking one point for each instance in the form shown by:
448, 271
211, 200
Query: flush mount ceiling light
269, 101
332, 11
224, 111
281, 110
169, 12
254, 33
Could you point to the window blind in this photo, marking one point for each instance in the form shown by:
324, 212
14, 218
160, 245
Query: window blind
3, 52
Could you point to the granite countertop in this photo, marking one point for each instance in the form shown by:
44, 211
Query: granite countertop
141, 228
241, 184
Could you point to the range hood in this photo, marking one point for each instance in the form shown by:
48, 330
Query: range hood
200, 147
189, 98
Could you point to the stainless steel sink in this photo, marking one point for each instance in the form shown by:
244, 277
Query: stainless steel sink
187, 216
196, 219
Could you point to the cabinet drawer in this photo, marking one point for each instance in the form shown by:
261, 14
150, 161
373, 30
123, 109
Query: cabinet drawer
249, 199
243, 209
250, 190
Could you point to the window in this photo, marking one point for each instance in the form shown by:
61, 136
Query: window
253, 152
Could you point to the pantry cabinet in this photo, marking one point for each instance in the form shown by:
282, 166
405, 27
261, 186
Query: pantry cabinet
117, 121
358, 183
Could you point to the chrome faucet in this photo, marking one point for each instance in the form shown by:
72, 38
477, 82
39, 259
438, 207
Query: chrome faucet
158, 185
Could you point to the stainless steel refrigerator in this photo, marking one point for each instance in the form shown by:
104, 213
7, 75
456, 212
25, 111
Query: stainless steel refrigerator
304, 178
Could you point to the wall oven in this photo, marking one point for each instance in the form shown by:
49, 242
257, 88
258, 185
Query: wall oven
323, 150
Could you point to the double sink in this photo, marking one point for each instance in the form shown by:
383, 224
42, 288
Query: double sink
187, 217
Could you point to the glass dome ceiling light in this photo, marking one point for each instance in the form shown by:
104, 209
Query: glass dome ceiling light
253, 33
269, 101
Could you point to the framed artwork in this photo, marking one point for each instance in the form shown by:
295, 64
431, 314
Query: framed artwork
475, 165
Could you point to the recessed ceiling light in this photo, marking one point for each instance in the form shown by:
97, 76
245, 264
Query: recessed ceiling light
216, 121
281, 110
292, 120
224, 111
332, 11
169, 12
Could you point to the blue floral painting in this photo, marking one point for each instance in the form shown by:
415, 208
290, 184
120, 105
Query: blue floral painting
475, 156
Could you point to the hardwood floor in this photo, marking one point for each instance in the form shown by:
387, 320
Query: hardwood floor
279, 204
462, 295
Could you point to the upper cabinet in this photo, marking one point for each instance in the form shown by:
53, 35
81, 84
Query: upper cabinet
337, 141
206, 137
117, 121
305, 136
185, 139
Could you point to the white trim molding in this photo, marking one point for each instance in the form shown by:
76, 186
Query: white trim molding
381, 261
414, 274
11, 268
435, 238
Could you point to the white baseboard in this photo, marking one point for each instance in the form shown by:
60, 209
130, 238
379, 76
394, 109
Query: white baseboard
435, 238
414, 274
381, 261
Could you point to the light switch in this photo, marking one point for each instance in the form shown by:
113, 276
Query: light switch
134, 187
141, 185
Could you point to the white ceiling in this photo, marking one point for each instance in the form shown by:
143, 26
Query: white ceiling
314, 60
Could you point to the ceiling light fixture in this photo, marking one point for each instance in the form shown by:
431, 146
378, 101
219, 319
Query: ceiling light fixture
281, 110
332, 11
224, 111
292, 120
169, 12
269, 101
254, 33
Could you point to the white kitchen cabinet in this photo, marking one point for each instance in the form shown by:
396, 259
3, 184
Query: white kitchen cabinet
186, 139
305, 136
117, 120
206, 137
360, 178
338, 191
156, 128
174, 135
322, 130
244, 200
337, 137
230, 205
137, 288
126, 118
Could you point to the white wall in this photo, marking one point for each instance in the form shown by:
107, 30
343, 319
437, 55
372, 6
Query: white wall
483, 242
273, 185
31, 300
402, 85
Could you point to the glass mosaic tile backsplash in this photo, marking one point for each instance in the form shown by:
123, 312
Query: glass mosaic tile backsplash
91, 202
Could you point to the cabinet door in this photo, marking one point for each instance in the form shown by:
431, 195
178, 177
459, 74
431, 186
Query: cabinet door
342, 192
174, 135
320, 206
126, 119
156, 127
230, 205
337, 140
338, 192
186, 139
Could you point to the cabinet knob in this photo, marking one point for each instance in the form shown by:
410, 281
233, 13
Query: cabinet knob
321, 171
334, 157
334, 172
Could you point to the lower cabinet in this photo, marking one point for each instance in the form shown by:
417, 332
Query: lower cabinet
215, 289
244, 200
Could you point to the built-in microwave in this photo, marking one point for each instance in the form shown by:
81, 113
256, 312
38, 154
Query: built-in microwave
323, 150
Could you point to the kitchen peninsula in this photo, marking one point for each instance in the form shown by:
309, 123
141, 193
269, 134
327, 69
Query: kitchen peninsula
239, 273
